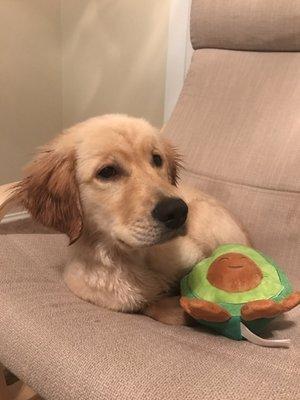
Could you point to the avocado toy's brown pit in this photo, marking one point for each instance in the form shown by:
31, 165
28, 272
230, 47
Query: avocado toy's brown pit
234, 272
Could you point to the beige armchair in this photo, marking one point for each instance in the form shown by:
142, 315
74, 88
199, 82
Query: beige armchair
237, 123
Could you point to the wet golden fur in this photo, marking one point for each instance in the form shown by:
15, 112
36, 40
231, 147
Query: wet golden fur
121, 258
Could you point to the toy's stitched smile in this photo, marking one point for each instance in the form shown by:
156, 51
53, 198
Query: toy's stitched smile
226, 259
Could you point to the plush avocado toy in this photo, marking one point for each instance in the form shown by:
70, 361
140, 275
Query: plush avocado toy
237, 291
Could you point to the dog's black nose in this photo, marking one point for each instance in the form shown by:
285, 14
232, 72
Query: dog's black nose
171, 211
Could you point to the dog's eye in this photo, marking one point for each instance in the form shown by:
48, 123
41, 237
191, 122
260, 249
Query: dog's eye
107, 172
157, 160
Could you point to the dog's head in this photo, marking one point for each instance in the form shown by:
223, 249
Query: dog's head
112, 175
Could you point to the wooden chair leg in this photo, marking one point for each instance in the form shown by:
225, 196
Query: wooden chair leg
4, 393
16, 391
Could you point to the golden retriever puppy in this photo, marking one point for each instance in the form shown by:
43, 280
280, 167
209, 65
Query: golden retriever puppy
109, 183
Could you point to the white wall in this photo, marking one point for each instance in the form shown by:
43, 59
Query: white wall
66, 60
179, 52
30, 80
114, 58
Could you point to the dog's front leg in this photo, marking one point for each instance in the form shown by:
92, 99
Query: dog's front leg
168, 311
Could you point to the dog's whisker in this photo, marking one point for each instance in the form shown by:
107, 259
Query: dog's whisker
145, 233
142, 227
145, 226
145, 237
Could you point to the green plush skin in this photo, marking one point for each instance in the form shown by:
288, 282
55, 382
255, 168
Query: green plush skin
274, 286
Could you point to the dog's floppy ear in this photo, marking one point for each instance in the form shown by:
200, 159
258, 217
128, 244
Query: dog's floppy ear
50, 191
174, 162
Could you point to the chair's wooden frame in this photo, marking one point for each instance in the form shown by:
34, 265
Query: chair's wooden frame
16, 391
6, 205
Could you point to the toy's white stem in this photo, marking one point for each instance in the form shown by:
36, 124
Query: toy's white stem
247, 334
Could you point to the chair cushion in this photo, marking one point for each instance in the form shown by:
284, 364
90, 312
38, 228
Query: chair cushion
267, 25
237, 125
68, 349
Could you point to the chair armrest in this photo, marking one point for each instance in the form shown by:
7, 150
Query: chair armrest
6, 202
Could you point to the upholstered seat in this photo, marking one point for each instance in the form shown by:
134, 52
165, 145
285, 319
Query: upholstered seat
237, 122
68, 349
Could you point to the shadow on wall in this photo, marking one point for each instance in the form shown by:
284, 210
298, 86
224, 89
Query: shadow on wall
64, 61
30, 80
114, 58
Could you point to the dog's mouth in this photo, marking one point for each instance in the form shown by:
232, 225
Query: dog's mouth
124, 244
170, 234
142, 239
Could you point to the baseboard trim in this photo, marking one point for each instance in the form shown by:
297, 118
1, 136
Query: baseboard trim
17, 216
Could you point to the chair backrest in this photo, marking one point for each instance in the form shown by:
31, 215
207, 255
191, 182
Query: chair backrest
237, 121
